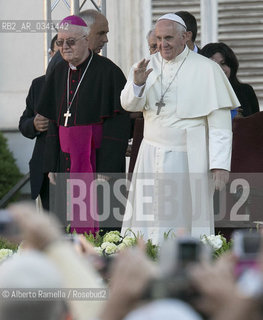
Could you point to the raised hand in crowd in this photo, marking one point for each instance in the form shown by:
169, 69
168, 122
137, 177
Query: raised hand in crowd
220, 297
131, 273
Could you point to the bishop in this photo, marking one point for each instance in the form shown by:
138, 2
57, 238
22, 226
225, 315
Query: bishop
93, 134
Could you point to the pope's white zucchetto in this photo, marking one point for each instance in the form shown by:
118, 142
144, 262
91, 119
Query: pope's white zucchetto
173, 17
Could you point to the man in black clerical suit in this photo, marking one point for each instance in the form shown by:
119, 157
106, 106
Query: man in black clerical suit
191, 31
88, 127
33, 125
88, 86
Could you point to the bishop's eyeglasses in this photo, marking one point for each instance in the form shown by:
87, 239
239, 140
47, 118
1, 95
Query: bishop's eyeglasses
70, 42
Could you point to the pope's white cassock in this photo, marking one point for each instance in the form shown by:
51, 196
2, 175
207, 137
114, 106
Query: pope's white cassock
172, 185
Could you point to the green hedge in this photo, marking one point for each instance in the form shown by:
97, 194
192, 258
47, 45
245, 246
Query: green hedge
9, 172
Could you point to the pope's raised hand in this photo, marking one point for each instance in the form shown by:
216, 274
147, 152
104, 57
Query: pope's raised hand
141, 73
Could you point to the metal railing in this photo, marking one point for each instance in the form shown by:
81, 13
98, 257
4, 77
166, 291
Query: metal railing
6, 198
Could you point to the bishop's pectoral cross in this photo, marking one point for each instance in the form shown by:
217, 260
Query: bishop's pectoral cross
160, 105
66, 115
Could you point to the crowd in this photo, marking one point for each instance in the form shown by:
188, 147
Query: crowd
190, 287
82, 114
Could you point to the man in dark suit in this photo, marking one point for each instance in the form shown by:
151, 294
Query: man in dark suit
33, 125
191, 30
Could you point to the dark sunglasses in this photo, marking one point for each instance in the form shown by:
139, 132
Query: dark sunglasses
69, 42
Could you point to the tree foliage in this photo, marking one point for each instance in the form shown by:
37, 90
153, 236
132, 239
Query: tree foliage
9, 172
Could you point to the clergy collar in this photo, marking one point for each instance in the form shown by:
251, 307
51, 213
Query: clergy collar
72, 67
82, 65
179, 58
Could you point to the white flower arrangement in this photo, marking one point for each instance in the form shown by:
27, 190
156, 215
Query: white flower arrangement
113, 242
112, 236
109, 247
217, 243
128, 241
5, 253
122, 246
99, 250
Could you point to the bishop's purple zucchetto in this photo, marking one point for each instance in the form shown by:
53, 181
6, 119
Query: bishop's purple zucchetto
74, 20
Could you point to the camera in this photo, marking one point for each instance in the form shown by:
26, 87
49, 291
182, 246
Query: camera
189, 251
178, 254
176, 257
247, 246
8, 228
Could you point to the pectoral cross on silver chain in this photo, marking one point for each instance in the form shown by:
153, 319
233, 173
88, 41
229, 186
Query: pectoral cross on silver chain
66, 115
160, 105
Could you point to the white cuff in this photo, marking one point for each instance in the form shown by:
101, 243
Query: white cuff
137, 90
220, 148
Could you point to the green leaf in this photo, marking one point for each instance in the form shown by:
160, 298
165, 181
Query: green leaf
5, 244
